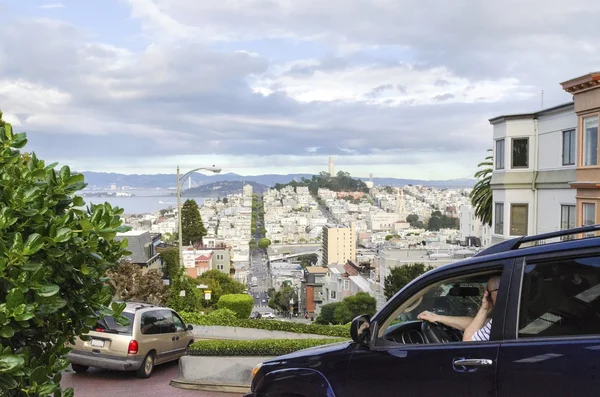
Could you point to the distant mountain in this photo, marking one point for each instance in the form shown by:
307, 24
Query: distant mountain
222, 188
165, 181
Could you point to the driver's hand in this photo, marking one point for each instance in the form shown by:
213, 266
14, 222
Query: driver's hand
428, 316
486, 303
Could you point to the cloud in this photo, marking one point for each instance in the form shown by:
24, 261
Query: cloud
52, 6
393, 89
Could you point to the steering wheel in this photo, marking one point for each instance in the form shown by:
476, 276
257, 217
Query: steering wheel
437, 333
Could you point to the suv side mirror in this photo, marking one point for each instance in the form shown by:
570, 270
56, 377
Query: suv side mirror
360, 329
190, 327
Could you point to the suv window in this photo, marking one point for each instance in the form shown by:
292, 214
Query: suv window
561, 298
108, 324
178, 322
457, 297
155, 322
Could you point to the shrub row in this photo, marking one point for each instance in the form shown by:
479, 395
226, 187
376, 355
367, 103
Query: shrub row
227, 318
263, 347
240, 304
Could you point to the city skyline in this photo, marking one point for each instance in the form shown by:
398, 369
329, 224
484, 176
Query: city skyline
141, 86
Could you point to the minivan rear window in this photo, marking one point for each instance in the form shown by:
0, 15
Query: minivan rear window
108, 324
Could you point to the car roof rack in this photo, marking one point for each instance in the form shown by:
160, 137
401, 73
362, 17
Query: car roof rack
540, 239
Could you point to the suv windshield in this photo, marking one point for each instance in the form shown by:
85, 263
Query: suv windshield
108, 324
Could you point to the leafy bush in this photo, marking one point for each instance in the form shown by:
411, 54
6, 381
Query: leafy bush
240, 304
262, 347
355, 305
228, 319
327, 314
54, 256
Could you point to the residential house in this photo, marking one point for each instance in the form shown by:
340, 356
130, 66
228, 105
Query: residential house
142, 245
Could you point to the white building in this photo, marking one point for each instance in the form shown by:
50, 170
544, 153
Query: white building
247, 190
534, 163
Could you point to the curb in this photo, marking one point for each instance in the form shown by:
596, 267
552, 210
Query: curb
223, 388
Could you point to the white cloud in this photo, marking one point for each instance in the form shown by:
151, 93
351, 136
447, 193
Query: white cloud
52, 6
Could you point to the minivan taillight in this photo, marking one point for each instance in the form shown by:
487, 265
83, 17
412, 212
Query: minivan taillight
133, 347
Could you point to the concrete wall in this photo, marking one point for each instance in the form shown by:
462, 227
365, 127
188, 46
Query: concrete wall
550, 135
237, 333
549, 202
227, 374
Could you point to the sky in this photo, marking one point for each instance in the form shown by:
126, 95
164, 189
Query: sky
393, 88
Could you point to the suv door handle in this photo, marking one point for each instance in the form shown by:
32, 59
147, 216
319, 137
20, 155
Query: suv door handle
472, 362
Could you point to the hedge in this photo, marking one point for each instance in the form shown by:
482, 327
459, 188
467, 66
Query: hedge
240, 304
262, 347
227, 318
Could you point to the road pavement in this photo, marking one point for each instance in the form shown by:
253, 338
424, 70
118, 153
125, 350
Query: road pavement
98, 382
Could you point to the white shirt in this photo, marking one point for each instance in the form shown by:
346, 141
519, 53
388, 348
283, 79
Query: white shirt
484, 333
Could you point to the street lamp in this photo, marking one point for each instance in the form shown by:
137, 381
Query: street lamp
179, 180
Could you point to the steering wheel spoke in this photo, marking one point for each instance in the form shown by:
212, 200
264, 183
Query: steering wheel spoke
437, 333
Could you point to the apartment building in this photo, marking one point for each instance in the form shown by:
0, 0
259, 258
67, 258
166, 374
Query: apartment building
546, 171
247, 190
312, 291
199, 260
338, 244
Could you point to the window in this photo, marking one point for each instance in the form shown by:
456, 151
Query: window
567, 217
346, 284
178, 322
568, 152
108, 324
518, 219
154, 322
590, 141
520, 153
500, 154
589, 214
499, 218
333, 295
561, 298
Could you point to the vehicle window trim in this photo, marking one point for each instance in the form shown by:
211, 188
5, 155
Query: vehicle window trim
505, 265
148, 313
540, 259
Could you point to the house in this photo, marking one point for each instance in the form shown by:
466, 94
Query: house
142, 245
313, 289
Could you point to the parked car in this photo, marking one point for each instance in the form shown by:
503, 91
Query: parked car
268, 315
154, 336
544, 332
255, 315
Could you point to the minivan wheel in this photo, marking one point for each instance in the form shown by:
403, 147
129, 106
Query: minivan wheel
147, 367
79, 368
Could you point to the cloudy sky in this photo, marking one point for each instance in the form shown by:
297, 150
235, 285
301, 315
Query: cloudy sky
396, 88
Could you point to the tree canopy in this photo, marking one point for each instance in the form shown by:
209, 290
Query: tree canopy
414, 221
264, 243
342, 182
131, 284
401, 275
438, 221
280, 300
191, 223
54, 256
220, 284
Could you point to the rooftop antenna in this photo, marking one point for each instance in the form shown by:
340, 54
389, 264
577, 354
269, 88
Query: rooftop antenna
542, 99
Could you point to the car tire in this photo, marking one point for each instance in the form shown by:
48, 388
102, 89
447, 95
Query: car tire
79, 368
187, 349
147, 367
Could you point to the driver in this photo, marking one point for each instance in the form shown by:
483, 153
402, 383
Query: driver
474, 328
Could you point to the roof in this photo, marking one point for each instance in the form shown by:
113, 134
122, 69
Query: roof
137, 246
361, 283
317, 270
582, 83
532, 115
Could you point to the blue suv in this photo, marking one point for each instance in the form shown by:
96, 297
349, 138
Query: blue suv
544, 338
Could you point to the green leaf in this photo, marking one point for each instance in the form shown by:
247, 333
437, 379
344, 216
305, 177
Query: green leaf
24, 317
10, 362
33, 244
65, 172
14, 298
78, 201
47, 389
85, 270
77, 178
48, 290
7, 332
29, 193
7, 382
63, 234
31, 266
38, 375
19, 140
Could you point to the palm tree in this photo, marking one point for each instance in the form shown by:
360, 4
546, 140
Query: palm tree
481, 196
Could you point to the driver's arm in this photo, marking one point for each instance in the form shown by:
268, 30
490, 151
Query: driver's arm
459, 323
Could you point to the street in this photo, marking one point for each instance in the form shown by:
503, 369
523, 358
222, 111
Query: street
96, 382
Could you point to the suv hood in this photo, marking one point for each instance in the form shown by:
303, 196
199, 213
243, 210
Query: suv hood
313, 353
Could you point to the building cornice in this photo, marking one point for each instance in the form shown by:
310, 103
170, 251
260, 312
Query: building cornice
584, 83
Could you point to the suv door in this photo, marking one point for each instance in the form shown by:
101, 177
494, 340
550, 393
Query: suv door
553, 328
181, 336
397, 361
153, 325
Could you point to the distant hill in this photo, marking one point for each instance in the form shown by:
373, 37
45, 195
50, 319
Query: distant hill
165, 181
222, 188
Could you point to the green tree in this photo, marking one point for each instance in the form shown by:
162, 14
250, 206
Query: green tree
280, 300
264, 243
401, 275
225, 200
352, 306
220, 284
327, 314
481, 195
54, 256
191, 223
308, 260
